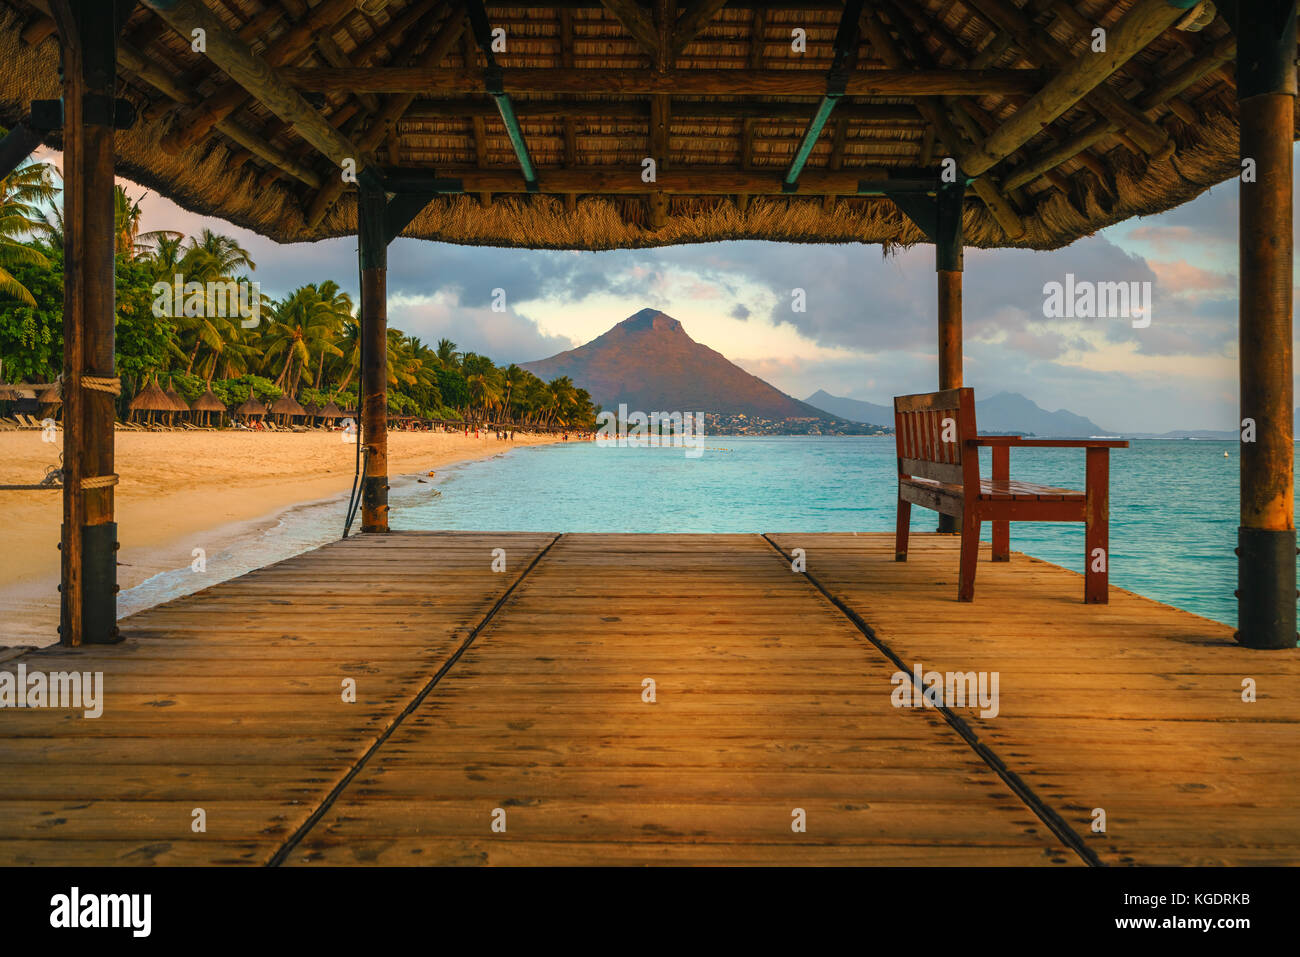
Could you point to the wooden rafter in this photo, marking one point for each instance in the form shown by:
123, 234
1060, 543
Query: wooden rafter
637, 22
440, 80
1144, 21
984, 187
1039, 45
570, 108
230, 97
226, 50
703, 181
693, 19
394, 107
1221, 52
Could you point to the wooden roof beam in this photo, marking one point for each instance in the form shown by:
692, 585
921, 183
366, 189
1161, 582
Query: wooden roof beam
136, 63
693, 21
230, 97
983, 186
1144, 21
233, 57
1222, 51
892, 82
636, 22
567, 108
394, 107
1103, 100
681, 181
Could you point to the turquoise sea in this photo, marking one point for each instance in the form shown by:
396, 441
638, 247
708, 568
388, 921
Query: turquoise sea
1173, 506
1173, 503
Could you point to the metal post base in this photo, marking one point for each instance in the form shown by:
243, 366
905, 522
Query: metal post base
1266, 588
99, 584
374, 503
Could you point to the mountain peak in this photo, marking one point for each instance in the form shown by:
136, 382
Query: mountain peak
649, 362
651, 320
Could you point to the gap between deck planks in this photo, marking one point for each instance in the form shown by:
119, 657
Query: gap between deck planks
230, 700
1133, 707
767, 701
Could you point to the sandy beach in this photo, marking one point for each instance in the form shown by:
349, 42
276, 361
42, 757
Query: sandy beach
178, 488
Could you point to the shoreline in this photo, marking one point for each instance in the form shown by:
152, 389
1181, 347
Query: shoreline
228, 493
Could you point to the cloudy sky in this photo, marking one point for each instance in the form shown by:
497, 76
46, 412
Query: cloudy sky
868, 331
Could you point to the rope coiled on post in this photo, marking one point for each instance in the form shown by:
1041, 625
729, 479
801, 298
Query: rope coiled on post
98, 383
98, 481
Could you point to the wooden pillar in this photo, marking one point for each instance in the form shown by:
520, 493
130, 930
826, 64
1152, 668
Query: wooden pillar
88, 608
373, 403
948, 263
1266, 87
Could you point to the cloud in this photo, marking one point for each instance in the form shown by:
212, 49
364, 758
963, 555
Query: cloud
869, 327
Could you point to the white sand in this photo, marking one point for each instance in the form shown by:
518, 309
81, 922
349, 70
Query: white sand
177, 488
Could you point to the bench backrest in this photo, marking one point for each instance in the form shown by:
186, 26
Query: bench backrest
930, 430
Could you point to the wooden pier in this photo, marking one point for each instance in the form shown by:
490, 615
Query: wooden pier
518, 697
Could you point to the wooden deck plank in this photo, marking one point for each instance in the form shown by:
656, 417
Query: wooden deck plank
580, 763
1134, 707
230, 700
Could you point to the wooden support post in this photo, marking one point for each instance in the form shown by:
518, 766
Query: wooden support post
1096, 529
1002, 529
88, 32
948, 262
1266, 87
373, 403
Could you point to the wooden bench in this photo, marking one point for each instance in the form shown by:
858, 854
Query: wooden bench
939, 469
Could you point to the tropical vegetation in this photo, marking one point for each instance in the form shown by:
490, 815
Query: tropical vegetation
305, 344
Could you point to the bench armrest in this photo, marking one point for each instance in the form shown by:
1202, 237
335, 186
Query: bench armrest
1008, 441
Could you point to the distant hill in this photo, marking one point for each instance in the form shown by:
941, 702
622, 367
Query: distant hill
1004, 412
649, 362
1215, 435
855, 410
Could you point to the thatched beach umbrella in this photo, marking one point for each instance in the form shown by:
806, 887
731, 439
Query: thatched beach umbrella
151, 399
208, 403
330, 413
50, 399
286, 408
179, 404
251, 409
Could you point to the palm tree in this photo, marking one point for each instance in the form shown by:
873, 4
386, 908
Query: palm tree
22, 194
447, 354
349, 344
222, 254
304, 325
165, 258
513, 374
126, 223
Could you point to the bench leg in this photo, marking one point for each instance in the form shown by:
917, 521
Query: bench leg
1096, 534
904, 526
970, 548
1001, 530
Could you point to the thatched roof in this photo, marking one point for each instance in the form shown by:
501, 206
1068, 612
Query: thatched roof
287, 405
180, 404
329, 413
208, 402
1158, 131
152, 399
251, 407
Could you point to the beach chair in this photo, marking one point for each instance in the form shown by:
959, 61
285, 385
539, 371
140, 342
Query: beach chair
938, 468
